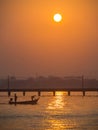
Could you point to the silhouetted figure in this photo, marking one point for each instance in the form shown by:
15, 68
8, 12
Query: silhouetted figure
11, 99
15, 98
32, 97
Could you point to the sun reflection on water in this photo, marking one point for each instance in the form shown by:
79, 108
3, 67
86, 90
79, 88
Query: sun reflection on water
58, 102
57, 118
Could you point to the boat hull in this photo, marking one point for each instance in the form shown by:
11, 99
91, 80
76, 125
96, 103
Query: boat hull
32, 102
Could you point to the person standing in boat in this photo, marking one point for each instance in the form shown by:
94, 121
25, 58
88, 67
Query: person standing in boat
15, 97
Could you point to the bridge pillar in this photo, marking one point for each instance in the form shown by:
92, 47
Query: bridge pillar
9, 93
83, 93
39, 93
23, 93
53, 93
68, 93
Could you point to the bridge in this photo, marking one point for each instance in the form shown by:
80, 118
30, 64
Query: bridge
54, 90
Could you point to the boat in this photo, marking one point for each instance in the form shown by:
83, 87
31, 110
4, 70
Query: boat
32, 102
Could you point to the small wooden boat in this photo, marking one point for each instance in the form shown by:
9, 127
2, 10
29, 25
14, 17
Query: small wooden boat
32, 102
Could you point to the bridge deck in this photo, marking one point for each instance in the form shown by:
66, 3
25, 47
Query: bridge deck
49, 90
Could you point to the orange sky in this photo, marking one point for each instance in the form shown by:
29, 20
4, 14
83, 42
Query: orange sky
31, 42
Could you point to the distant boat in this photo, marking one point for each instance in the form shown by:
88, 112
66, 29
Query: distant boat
32, 102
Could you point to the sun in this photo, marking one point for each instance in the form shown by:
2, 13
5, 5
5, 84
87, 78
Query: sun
57, 17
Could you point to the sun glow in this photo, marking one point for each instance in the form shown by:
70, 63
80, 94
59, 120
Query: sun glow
57, 17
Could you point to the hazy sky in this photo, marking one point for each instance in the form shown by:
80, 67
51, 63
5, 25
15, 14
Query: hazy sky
32, 43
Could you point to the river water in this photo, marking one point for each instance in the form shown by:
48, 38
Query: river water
60, 112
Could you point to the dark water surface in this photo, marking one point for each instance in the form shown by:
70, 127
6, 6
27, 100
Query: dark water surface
60, 112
